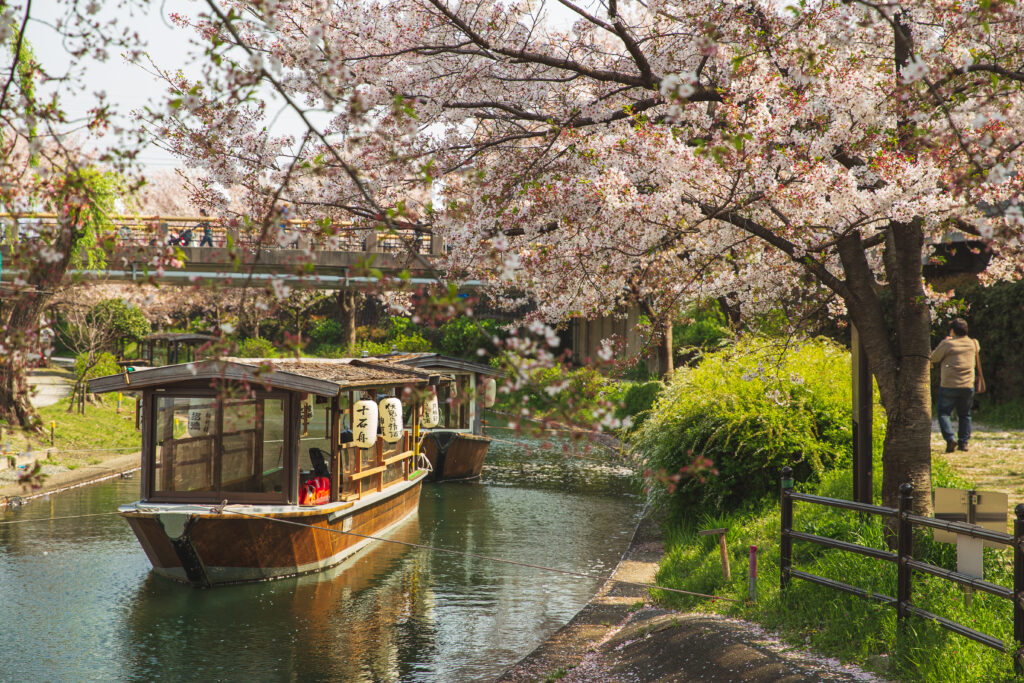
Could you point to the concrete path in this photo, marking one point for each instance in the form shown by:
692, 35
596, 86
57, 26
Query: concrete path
619, 637
51, 384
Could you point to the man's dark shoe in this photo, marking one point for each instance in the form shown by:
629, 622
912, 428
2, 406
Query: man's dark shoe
950, 446
962, 446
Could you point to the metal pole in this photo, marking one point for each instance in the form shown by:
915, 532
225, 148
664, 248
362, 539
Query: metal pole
1018, 589
905, 550
786, 542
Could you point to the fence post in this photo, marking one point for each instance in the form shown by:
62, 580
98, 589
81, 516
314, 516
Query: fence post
1018, 589
786, 542
904, 549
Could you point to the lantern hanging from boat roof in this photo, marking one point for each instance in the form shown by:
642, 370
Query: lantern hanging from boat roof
431, 411
490, 392
364, 429
199, 417
391, 420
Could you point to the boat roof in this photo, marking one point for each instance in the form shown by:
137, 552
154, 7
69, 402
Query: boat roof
319, 376
180, 337
436, 361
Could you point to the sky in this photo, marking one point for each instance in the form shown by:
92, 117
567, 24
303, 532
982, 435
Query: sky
131, 87
127, 85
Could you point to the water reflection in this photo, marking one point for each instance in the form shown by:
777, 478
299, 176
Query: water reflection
81, 603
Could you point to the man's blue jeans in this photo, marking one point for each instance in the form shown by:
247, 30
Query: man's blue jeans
961, 399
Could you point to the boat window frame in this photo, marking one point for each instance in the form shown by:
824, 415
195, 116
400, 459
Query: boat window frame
289, 485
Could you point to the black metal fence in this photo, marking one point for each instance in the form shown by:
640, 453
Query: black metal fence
905, 563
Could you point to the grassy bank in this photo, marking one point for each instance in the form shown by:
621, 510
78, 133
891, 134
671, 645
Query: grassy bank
841, 625
1005, 415
81, 439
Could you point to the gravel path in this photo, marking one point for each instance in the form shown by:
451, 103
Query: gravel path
995, 461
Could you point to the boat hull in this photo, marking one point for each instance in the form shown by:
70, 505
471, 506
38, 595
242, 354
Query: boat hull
192, 544
463, 458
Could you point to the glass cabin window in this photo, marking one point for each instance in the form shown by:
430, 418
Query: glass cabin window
203, 445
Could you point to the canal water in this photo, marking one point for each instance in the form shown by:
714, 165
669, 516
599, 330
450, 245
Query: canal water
78, 601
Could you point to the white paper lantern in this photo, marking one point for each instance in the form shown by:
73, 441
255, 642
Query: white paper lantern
431, 412
490, 392
200, 417
364, 431
391, 420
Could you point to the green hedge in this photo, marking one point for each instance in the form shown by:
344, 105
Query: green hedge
750, 409
106, 364
256, 347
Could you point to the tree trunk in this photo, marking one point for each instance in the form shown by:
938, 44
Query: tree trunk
899, 355
21, 334
347, 315
665, 352
15, 407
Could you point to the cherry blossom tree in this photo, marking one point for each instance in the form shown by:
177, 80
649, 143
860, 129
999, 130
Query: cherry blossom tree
652, 151
51, 162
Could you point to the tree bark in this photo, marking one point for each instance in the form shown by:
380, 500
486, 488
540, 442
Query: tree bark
665, 360
21, 326
899, 356
347, 316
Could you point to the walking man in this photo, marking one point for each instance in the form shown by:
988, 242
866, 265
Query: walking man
207, 240
959, 359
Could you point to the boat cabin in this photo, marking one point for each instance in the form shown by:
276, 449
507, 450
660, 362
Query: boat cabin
461, 402
286, 432
171, 348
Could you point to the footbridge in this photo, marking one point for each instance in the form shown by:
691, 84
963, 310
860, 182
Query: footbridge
295, 252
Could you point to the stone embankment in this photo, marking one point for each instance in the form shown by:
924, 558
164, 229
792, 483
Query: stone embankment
619, 636
55, 480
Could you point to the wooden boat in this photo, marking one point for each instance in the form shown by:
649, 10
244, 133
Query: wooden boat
251, 473
457, 447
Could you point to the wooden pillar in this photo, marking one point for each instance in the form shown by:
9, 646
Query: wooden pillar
863, 400
336, 470
380, 462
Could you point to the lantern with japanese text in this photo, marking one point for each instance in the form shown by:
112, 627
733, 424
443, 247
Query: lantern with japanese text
490, 392
364, 428
391, 420
431, 412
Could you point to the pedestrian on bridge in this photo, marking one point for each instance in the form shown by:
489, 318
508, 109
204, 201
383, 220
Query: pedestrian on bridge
207, 240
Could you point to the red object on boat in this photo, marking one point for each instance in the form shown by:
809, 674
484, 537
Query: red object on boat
316, 491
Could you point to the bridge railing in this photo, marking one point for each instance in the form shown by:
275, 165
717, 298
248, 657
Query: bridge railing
152, 231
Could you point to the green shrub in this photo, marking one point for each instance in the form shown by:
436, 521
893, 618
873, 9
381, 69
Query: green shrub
106, 364
413, 343
580, 396
462, 336
326, 331
706, 327
750, 409
339, 351
127, 321
398, 326
637, 401
256, 347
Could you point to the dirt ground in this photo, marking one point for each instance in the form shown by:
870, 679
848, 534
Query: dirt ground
995, 461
